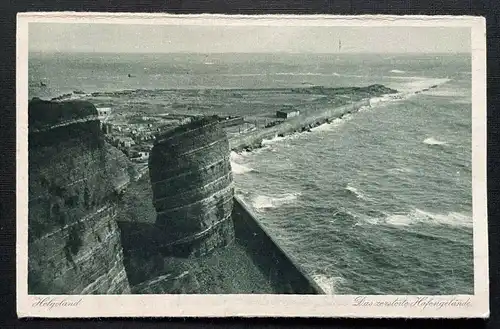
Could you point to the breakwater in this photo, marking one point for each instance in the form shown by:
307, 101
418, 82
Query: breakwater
252, 263
286, 276
301, 123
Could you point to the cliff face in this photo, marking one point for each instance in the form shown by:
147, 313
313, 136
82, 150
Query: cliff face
192, 188
74, 179
91, 232
189, 248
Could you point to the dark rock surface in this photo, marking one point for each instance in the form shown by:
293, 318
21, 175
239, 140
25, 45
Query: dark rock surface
94, 231
192, 186
74, 241
189, 246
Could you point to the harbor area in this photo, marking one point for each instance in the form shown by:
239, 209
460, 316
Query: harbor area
248, 115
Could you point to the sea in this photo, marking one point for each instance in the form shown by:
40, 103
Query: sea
378, 202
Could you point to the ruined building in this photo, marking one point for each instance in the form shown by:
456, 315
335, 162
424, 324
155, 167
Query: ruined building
187, 233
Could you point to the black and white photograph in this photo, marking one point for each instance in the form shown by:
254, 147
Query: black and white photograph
255, 158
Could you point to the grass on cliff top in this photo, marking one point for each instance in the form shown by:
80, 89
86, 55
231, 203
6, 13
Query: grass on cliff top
42, 113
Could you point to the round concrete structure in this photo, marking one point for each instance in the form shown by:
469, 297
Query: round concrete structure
191, 178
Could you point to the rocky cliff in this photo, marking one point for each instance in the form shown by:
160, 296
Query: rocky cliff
190, 247
192, 186
91, 232
74, 183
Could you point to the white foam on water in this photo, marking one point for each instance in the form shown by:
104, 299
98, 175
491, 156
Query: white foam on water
376, 100
235, 156
329, 126
328, 284
272, 140
356, 192
418, 216
262, 202
403, 170
467, 101
449, 92
433, 141
452, 218
236, 167
419, 84
364, 108
380, 100
400, 220
267, 143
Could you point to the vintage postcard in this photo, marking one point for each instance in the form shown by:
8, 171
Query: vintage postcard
251, 166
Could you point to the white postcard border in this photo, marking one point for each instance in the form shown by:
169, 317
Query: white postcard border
387, 306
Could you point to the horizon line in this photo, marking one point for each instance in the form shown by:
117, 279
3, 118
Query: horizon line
252, 53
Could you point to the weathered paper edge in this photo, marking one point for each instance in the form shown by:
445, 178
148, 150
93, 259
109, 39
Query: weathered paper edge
257, 305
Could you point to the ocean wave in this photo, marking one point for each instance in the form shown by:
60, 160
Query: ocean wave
397, 71
364, 108
448, 92
272, 140
240, 169
356, 192
236, 167
418, 216
422, 84
328, 283
380, 100
464, 101
236, 156
400, 220
329, 126
433, 141
401, 170
277, 139
262, 202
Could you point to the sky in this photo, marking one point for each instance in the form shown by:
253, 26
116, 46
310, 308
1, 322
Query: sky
120, 38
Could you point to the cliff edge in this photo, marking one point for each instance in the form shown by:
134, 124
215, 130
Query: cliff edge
74, 178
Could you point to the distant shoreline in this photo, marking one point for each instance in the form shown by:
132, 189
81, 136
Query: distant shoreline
305, 90
333, 104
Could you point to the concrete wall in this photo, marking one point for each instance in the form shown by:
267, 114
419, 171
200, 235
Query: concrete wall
282, 276
286, 276
232, 122
253, 139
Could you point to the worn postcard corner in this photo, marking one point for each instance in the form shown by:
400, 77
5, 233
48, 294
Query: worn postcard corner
251, 166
